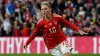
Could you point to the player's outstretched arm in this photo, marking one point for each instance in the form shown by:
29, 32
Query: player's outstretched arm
33, 35
82, 32
66, 23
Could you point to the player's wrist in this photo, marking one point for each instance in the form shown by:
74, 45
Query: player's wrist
25, 47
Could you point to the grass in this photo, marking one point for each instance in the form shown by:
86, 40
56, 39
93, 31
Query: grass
47, 55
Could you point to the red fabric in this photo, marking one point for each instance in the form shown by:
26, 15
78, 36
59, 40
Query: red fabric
16, 6
27, 16
70, 7
6, 1
25, 31
90, 1
16, 32
52, 33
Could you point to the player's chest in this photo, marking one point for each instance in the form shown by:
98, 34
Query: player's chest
50, 24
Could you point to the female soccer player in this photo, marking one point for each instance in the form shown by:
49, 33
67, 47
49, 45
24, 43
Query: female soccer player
54, 38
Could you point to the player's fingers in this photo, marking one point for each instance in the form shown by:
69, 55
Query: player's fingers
71, 49
86, 33
25, 47
82, 33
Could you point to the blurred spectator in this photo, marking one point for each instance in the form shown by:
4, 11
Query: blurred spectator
27, 15
69, 5
74, 12
32, 28
79, 3
2, 9
1, 17
9, 8
88, 9
25, 30
17, 8
16, 29
93, 12
61, 6
38, 14
98, 8
30, 23
1, 29
7, 26
6, 23
9, 31
92, 29
86, 22
81, 12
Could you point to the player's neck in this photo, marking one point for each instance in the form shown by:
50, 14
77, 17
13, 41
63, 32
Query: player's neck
48, 17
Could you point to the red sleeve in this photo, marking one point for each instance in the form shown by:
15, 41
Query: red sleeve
33, 35
66, 23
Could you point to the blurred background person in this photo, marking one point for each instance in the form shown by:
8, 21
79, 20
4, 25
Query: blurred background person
2, 32
25, 30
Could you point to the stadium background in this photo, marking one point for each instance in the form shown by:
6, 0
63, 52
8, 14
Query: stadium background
19, 17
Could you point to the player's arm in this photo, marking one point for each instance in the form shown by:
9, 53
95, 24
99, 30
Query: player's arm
33, 35
66, 23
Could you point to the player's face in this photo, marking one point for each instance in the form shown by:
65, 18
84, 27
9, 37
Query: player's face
45, 10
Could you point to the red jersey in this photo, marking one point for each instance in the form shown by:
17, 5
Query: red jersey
25, 32
52, 33
27, 16
16, 32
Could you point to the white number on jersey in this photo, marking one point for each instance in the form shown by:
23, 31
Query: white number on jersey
52, 30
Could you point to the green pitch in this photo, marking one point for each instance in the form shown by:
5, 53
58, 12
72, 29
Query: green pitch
47, 55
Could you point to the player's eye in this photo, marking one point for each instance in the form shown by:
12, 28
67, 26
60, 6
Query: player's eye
45, 8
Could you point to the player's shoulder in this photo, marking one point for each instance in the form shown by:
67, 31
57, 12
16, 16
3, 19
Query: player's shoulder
40, 21
56, 15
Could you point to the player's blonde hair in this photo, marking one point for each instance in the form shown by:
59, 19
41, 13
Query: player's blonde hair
46, 3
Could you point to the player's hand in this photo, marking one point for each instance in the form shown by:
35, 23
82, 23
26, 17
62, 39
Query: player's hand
25, 47
82, 32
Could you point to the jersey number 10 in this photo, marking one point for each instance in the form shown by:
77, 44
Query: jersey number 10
52, 30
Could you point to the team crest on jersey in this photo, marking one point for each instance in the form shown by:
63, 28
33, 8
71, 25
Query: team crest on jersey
55, 22
50, 24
